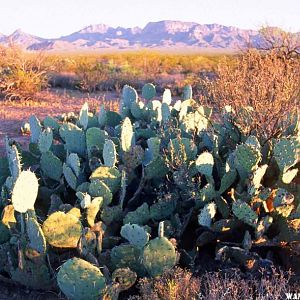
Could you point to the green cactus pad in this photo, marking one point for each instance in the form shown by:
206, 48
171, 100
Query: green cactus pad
25, 192
33, 276
62, 230
127, 256
286, 153
51, 166
258, 176
14, 161
156, 169
253, 142
244, 213
84, 116
4, 170
148, 91
223, 206
74, 138
205, 163
45, 140
159, 254
51, 123
110, 176
70, 176
97, 188
124, 277
247, 157
187, 92
136, 109
112, 214
95, 137
4, 233
140, 216
80, 280
133, 158
288, 176
227, 180
184, 148
126, 135
129, 95
35, 129
36, 236
165, 112
135, 234
207, 214
163, 209
73, 161
109, 153
93, 210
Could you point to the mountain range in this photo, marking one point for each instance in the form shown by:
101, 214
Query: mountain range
155, 35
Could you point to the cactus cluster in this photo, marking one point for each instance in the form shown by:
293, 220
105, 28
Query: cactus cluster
125, 189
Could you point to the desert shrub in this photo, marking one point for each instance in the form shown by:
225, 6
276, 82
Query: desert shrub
177, 284
219, 285
262, 89
285, 44
91, 74
21, 75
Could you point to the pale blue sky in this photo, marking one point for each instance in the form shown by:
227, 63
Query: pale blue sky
53, 18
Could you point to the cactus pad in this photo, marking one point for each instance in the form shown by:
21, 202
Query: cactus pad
25, 192
159, 254
244, 213
110, 176
80, 280
135, 234
148, 91
62, 230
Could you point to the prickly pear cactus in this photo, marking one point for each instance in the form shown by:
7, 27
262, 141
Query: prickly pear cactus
36, 236
62, 230
135, 234
205, 163
207, 214
244, 213
106, 180
159, 254
109, 153
247, 158
148, 91
45, 140
25, 192
187, 92
110, 176
51, 166
80, 280
126, 135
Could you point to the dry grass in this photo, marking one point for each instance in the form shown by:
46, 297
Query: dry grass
179, 284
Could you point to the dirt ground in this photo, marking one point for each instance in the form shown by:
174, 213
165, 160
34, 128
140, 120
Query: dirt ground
51, 102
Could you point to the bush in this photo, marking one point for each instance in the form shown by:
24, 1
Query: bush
21, 75
262, 89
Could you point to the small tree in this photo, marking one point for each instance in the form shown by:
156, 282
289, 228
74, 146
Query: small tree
285, 44
263, 90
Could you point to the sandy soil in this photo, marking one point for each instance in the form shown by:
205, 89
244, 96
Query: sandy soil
52, 102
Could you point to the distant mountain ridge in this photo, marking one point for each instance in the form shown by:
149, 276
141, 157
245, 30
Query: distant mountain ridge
155, 35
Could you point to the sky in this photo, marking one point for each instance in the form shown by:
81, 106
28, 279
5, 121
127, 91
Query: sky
54, 18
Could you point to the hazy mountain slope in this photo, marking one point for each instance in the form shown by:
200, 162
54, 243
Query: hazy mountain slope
162, 34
